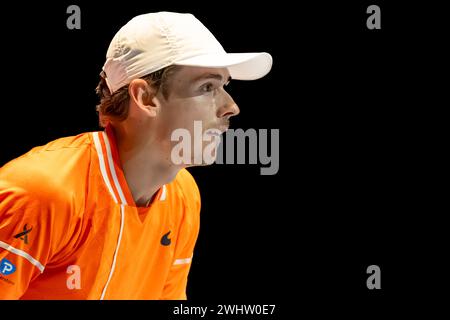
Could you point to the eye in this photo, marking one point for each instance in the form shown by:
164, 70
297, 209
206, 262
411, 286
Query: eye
207, 87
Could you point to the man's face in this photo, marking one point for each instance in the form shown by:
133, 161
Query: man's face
197, 104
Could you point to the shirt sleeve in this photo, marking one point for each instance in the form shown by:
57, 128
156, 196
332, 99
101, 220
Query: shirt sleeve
27, 238
176, 283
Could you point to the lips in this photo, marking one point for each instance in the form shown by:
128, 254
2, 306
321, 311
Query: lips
217, 131
214, 132
223, 128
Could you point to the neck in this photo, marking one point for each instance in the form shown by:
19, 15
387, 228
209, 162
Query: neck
144, 165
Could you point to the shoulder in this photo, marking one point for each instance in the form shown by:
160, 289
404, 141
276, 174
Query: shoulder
49, 175
184, 195
187, 187
46, 190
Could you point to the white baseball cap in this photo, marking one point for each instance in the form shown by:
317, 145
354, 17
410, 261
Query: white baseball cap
150, 42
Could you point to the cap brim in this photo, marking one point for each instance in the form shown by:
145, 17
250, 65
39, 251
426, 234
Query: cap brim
242, 66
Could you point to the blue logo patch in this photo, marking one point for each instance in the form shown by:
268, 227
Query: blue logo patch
6, 267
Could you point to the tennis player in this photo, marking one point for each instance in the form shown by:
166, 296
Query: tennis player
109, 214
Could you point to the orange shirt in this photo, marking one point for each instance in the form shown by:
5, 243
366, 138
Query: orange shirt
69, 227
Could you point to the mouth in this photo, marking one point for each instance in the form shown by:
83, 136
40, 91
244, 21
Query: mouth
217, 131
223, 129
213, 132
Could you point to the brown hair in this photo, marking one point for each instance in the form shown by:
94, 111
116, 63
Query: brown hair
115, 106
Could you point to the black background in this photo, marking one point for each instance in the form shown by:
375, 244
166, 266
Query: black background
353, 109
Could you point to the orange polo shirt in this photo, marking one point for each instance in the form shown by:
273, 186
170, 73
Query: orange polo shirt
69, 227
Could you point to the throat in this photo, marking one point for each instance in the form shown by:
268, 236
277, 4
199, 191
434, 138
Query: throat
144, 200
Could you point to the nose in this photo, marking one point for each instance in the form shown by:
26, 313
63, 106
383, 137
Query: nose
229, 108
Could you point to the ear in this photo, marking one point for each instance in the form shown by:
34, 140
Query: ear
143, 96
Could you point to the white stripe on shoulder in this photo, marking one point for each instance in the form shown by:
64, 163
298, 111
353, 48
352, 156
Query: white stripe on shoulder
23, 254
163, 193
101, 161
113, 170
182, 261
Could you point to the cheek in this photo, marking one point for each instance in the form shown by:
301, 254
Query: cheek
205, 109
183, 113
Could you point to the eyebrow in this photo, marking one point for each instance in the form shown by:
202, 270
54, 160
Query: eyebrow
215, 76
